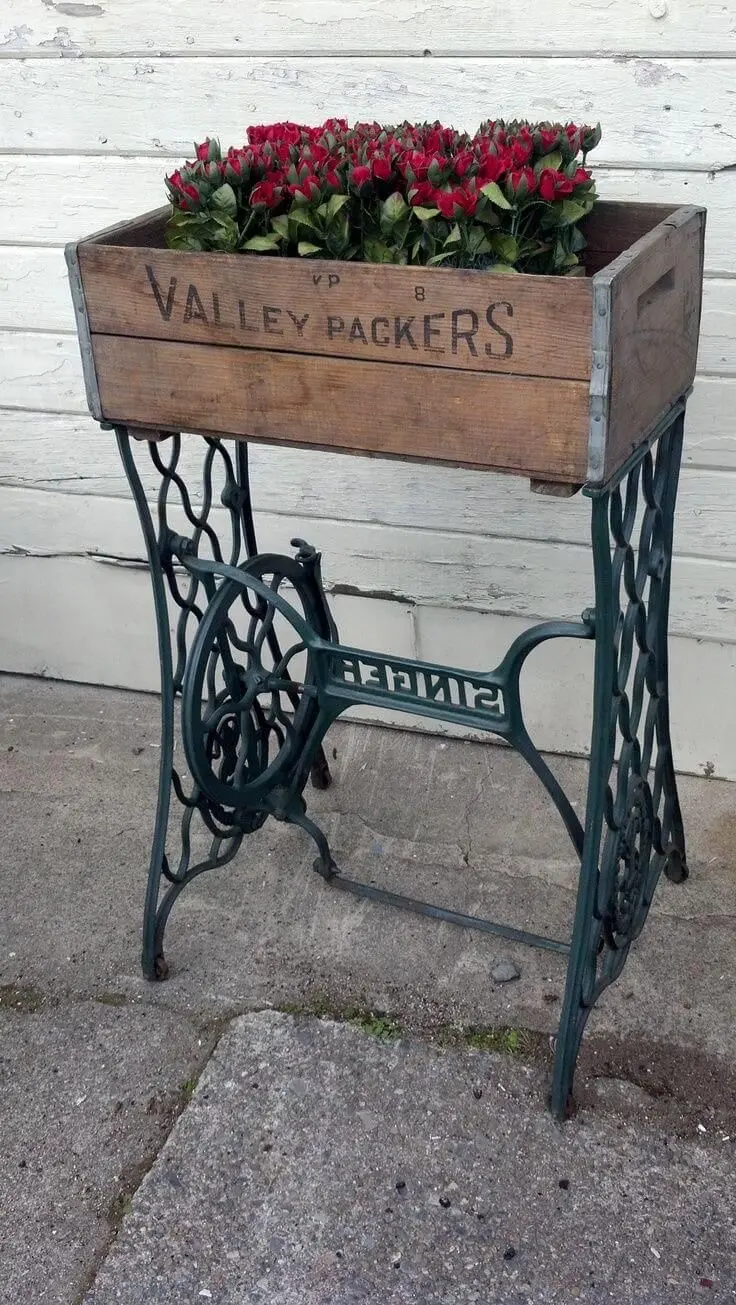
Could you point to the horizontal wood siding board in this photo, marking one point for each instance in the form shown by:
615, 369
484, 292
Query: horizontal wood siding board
437, 317
71, 455
106, 191
469, 27
473, 419
508, 576
81, 105
656, 292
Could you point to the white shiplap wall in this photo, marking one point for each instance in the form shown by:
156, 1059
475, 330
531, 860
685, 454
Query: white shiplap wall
98, 99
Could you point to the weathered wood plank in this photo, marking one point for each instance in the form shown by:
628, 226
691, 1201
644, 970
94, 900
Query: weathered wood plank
655, 296
439, 317
104, 106
106, 190
471, 27
527, 578
471, 418
34, 294
43, 373
72, 455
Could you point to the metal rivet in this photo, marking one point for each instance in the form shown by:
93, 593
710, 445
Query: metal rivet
658, 8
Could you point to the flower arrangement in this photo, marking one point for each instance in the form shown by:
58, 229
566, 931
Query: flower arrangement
510, 198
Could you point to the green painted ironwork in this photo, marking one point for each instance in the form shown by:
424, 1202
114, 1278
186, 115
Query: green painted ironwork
256, 661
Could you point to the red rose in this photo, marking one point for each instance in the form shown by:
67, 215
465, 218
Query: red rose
267, 194
554, 185
521, 152
234, 161
309, 187
463, 162
314, 154
521, 182
418, 162
188, 194
449, 201
492, 167
203, 151
574, 137
275, 131
381, 167
421, 193
582, 176
360, 176
331, 180
548, 138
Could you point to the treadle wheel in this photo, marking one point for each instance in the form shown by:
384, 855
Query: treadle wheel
247, 706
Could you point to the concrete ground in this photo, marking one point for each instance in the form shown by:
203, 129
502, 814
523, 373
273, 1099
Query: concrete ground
397, 1149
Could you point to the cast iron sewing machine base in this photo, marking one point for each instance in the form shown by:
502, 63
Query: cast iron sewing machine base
261, 673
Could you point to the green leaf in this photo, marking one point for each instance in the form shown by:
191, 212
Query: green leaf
335, 203
496, 196
504, 269
477, 241
577, 240
393, 209
425, 214
262, 244
553, 161
440, 258
281, 224
571, 211
304, 248
507, 247
225, 200
377, 252
303, 218
454, 237
485, 214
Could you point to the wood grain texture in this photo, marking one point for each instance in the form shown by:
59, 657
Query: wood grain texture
104, 106
655, 300
472, 27
444, 415
43, 374
34, 295
71, 455
439, 317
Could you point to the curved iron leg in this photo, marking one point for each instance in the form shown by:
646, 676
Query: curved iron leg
633, 825
675, 865
320, 773
152, 958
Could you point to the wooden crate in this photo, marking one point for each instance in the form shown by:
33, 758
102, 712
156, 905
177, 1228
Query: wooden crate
556, 378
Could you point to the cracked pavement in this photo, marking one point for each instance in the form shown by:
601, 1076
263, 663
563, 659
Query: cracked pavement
96, 1064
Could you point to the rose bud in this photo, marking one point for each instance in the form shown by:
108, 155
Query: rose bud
382, 168
421, 194
463, 162
360, 177
265, 195
307, 189
520, 183
554, 185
